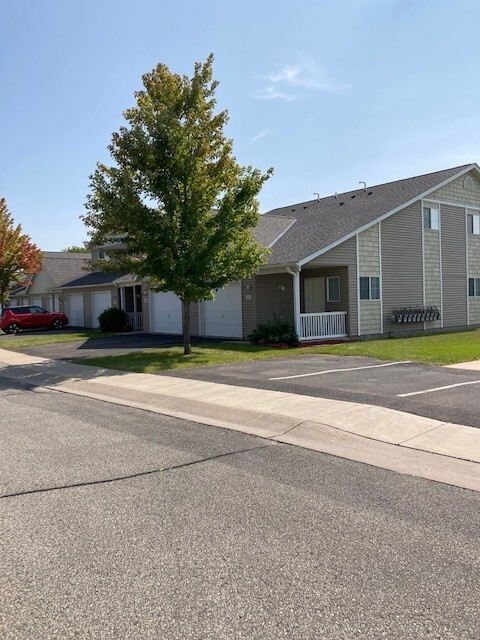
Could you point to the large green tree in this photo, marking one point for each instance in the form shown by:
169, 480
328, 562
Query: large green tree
176, 202
19, 257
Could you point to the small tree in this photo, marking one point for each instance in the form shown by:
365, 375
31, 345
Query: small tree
177, 202
19, 257
84, 248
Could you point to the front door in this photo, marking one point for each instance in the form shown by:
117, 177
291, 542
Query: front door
314, 295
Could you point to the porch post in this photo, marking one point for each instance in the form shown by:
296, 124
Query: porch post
296, 297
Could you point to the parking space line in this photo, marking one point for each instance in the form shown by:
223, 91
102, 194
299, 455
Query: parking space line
321, 373
449, 386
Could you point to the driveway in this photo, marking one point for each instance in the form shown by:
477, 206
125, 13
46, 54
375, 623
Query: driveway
102, 346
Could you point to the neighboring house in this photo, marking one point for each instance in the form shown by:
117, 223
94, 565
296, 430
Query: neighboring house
340, 266
41, 289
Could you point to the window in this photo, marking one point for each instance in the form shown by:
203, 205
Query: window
469, 184
333, 289
473, 223
370, 288
474, 287
431, 217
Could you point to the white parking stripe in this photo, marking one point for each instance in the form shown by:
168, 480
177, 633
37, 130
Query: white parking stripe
321, 373
450, 386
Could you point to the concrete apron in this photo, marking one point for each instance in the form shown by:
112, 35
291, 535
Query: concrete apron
377, 436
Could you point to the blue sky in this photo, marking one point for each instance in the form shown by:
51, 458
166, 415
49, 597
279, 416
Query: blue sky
328, 93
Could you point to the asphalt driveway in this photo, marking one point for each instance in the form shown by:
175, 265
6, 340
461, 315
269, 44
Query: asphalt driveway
111, 345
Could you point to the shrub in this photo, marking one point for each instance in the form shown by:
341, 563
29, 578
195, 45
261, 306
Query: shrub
113, 319
274, 332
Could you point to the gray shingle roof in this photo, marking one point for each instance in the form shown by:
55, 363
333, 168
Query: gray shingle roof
63, 265
94, 278
270, 228
320, 223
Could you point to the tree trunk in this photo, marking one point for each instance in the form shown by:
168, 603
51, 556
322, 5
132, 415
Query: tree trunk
187, 347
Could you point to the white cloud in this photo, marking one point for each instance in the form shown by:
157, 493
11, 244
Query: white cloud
307, 74
261, 134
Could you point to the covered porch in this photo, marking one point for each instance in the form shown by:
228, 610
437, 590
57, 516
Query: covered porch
321, 302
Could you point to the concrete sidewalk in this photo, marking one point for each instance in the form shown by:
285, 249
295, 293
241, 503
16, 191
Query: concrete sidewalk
378, 436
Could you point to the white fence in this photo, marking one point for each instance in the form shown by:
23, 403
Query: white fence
315, 326
135, 320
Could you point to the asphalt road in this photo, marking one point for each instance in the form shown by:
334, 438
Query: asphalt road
118, 523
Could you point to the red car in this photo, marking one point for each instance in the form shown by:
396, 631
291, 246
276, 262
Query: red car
32, 317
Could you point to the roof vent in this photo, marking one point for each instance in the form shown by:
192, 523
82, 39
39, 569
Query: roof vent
370, 193
305, 207
340, 204
352, 197
316, 194
364, 185
293, 209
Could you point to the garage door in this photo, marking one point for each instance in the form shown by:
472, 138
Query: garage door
101, 300
166, 313
222, 317
74, 308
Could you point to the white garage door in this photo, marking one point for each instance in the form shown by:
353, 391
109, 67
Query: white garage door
74, 308
222, 317
166, 313
101, 300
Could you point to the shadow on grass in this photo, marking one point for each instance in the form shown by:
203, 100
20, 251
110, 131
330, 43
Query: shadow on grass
172, 358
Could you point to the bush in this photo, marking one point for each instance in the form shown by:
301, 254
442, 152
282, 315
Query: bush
113, 319
274, 332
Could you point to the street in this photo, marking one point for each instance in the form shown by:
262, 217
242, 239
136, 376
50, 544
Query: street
120, 523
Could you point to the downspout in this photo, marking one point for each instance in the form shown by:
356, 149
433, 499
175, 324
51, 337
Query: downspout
296, 297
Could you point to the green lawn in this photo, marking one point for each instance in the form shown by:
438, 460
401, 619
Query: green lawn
32, 340
435, 349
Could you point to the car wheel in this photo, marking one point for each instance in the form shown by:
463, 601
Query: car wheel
57, 324
13, 328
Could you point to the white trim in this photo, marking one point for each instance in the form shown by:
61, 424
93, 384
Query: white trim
283, 232
357, 284
423, 263
296, 298
440, 265
451, 203
466, 265
327, 288
380, 271
389, 214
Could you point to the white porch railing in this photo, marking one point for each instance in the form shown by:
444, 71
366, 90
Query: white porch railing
135, 320
315, 326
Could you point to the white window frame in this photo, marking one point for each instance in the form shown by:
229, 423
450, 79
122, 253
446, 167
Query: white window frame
329, 299
475, 217
369, 278
476, 287
433, 220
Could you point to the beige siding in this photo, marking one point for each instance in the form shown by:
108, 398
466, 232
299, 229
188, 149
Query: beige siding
370, 317
271, 300
369, 265
433, 273
42, 282
248, 306
454, 266
402, 264
474, 272
343, 255
456, 192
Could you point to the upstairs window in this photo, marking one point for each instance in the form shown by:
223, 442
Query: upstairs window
370, 288
473, 223
431, 217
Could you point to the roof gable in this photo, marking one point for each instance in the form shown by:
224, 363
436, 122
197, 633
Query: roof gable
324, 223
